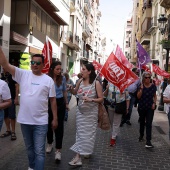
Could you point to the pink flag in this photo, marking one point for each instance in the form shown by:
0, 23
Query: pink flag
117, 73
119, 54
47, 53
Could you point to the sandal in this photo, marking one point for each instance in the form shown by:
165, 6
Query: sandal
13, 136
7, 133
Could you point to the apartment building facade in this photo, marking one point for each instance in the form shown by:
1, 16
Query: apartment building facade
69, 25
145, 29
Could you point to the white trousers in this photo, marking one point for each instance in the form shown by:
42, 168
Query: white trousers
115, 120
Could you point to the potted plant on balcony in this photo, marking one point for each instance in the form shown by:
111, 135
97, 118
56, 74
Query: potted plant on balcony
165, 43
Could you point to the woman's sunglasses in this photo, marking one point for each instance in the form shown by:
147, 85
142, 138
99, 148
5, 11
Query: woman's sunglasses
35, 62
147, 77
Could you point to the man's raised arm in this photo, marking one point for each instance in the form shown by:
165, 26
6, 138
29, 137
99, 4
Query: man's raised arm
5, 64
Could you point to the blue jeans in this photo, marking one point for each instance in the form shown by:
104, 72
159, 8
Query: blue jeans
1, 118
34, 138
66, 113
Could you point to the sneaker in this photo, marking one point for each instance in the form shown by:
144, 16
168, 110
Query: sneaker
141, 139
49, 148
30, 168
149, 144
58, 156
128, 122
75, 162
112, 142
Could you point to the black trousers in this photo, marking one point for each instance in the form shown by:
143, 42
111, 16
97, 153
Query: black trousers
59, 132
146, 115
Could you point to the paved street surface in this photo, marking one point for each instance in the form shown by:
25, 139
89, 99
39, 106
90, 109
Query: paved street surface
128, 154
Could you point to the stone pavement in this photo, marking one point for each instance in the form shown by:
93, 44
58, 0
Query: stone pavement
128, 154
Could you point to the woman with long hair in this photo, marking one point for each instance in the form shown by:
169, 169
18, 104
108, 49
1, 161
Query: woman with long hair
147, 103
90, 95
62, 104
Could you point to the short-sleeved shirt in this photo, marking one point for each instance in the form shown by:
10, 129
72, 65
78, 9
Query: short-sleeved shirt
35, 92
146, 100
11, 83
4, 91
120, 97
61, 88
166, 94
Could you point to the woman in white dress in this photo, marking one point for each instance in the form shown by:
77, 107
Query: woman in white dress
90, 95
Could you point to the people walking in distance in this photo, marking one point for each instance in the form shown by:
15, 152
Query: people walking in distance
79, 77
114, 96
62, 105
147, 104
35, 89
132, 89
90, 95
5, 100
10, 112
69, 82
166, 100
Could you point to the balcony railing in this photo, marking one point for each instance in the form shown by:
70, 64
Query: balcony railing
153, 23
86, 30
67, 36
87, 5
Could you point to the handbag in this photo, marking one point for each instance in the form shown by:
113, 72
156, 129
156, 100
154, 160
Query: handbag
103, 118
120, 108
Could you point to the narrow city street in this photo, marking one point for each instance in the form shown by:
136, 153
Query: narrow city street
128, 154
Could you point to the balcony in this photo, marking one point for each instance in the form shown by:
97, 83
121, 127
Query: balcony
72, 5
145, 36
165, 3
86, 30
154, 24
87, 6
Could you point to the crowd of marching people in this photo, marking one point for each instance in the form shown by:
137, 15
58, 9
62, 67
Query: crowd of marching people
44, 106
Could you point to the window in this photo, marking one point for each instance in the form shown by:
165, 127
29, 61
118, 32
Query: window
38, 19
21, 8
33, 16
44, 25
54, 31
48, 26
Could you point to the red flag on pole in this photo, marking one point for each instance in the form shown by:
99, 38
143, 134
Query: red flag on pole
119, 54
47, 53
146, 68
160, 72
118, 74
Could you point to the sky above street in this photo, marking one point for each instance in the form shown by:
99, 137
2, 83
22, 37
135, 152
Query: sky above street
114, 15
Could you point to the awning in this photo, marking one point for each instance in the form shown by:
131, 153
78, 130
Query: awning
17, 39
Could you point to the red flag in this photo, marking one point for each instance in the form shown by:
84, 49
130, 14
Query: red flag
160, 72
116, 73
97, 66
146, 68
119, 54
47, 53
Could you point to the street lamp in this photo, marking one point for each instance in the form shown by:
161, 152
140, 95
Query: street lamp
162, 24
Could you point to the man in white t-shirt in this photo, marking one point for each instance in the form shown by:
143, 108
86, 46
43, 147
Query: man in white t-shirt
5, 100
36, 89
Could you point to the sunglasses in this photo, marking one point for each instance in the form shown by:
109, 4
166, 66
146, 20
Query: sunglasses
147, 77
35, 62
